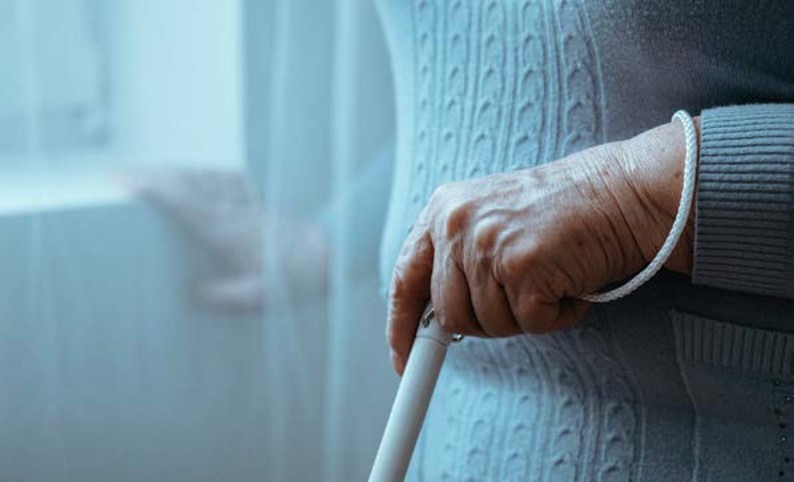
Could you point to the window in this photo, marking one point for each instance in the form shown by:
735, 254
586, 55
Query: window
106, 84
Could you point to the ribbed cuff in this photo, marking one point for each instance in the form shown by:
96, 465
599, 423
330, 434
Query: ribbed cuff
744, 229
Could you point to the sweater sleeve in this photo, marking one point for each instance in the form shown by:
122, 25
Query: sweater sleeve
744, 226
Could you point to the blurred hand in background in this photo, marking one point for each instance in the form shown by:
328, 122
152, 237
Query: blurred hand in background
217, 210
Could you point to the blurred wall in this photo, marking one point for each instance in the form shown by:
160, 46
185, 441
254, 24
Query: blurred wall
108, 371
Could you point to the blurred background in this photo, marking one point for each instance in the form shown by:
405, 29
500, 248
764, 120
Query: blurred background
191, 199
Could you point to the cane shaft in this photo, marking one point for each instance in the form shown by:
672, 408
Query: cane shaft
410, 404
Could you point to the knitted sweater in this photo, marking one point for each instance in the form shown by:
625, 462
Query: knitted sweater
687, 378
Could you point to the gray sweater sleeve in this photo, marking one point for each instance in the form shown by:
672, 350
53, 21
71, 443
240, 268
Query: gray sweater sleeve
744, 227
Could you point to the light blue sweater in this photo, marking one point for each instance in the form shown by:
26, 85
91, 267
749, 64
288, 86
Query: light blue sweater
686, 379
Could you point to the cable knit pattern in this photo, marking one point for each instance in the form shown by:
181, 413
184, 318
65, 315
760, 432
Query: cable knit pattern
486, 86
581, 79
531, 98
496, 108
426, 67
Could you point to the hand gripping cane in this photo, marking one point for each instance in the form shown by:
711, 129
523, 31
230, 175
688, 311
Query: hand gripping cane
412, 399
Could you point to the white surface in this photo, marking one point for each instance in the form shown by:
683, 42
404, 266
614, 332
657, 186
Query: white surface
410, 404
45, 191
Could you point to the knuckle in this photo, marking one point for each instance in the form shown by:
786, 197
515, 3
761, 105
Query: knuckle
523, 313
443, 320
508, 270
485, 237
513, 267
534, 316
450, 211
416, 252
458, 218
447, 320
482, 270
437, 199
440, 193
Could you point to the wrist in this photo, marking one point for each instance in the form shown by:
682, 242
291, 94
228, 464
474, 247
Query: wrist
655, 161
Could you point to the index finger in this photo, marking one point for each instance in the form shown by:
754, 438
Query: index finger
409, 293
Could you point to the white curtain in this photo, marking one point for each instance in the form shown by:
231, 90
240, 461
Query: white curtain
189, 225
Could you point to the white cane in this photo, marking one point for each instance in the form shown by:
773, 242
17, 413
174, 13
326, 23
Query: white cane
412, 399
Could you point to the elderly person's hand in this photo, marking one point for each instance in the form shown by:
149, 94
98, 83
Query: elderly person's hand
510, 253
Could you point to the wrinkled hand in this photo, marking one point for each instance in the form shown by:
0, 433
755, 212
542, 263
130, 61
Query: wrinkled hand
510, 253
